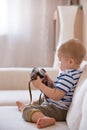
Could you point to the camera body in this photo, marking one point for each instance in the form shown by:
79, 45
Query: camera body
42, 74
36, 72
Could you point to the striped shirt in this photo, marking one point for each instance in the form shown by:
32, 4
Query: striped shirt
66, 81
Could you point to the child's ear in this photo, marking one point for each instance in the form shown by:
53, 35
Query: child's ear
71, 61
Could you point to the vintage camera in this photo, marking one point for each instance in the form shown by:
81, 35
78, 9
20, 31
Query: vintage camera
36, 72
33, 76
41, 73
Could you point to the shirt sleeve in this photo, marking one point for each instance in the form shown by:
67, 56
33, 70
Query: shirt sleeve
64, 82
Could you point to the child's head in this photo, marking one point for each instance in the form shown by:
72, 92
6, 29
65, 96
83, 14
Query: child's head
71, 54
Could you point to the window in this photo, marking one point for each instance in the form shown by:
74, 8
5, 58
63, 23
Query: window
3, 17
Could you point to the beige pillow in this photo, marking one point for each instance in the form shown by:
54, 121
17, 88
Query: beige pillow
74, 113
83, 122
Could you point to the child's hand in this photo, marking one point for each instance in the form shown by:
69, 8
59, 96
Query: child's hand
37, 83
48, 78
48, 81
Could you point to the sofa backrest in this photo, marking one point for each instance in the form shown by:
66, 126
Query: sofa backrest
18, 78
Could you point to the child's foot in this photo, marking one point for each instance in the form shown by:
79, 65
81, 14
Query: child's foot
20, 105
44, 122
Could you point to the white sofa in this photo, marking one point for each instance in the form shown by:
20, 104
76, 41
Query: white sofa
14, 86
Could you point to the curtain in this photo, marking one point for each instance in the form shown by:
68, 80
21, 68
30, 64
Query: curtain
26, 32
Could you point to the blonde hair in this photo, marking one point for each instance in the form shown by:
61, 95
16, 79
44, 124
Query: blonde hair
74, 49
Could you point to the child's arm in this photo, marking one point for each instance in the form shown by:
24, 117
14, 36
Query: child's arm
53, 93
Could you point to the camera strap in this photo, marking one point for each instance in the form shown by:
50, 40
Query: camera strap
29, 88
30, 93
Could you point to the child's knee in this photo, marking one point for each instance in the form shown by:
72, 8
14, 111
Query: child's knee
27, 113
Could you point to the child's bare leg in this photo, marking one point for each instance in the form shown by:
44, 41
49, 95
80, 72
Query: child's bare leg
41, 120
20, 105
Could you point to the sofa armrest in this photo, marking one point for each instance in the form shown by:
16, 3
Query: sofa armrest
14, 85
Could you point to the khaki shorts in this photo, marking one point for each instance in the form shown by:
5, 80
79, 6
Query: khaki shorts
47, 109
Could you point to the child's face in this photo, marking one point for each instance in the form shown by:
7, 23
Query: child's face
64, 62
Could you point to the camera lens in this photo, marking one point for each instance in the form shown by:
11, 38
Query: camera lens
34, 73
42, 73
35, 70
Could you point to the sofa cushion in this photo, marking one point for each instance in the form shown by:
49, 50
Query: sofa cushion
75, 110
9, 97
11, 119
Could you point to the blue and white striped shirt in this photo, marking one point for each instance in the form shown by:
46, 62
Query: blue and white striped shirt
66, 81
